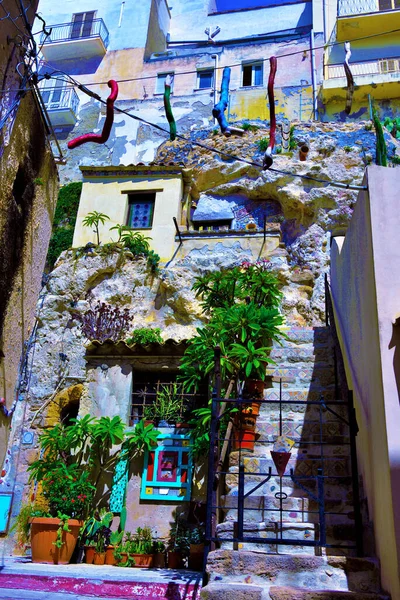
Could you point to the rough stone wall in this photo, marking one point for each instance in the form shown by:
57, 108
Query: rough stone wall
27, 200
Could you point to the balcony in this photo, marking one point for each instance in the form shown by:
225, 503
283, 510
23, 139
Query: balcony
62, 105
358, 18
380, 78
75, 40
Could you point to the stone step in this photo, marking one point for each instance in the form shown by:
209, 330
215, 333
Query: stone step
332, 466
299, 395
293, 593
307, 572
304, 431
304, 375
294, 353
333, 488
308, 335
250, 591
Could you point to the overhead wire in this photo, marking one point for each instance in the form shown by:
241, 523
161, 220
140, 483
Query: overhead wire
194, 71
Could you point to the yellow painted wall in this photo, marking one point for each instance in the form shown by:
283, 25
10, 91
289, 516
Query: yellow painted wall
105, 195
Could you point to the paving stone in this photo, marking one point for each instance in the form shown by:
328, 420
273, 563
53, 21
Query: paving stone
292, 593
228, 591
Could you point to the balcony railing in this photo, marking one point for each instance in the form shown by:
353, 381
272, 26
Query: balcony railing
358, 7
374, 67
67, 32
62, 105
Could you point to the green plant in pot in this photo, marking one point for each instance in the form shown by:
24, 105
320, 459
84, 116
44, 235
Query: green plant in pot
72, 468
196, 555
178, 544
244, 319
159, 551
95, 536
168, 406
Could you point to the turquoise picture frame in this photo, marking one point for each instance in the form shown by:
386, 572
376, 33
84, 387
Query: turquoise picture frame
5, 510
176, 488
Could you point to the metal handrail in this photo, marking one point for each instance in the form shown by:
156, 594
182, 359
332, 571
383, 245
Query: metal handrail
371, 67
63, 33
68, 99
359, 7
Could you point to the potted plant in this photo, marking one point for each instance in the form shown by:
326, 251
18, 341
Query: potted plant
95, 536
196, 555
168, 406
244, 320
140, 547
70, 469
159, 554
178, 545
115, 541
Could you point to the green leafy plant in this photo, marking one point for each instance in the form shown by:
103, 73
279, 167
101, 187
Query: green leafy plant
63, 526
179, 537
136, 242
393, 126
38, 181
93, 219
158, 546
263, 144
246, 126
153, 260
144, 336
169, 404
347, 148
22, 525
64, 221
143, 437
381, 150
292, 140
197, 535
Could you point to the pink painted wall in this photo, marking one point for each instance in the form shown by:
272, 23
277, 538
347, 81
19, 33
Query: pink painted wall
365, 280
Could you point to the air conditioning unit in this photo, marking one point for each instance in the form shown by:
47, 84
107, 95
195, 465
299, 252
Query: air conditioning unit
389, 66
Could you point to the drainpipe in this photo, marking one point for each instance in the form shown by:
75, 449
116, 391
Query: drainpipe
314, 75
215, 57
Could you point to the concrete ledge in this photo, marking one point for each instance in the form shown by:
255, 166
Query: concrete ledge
227, 591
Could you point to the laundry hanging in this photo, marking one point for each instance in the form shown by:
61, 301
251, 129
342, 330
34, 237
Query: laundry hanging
168, 109
105, 134
349, 77
268, 160
219, 109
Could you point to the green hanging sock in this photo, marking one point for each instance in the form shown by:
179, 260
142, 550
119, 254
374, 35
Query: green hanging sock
168, 109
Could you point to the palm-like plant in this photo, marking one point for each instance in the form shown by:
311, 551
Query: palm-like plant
93, 219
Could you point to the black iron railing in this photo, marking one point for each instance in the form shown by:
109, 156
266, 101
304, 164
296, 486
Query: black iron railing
67, 32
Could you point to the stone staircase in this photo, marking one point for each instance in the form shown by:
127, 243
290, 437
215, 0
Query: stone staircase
304, 372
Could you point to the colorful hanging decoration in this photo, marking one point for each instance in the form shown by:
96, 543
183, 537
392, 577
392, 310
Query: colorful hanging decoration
349, 77
268, 160
168, 109
219, 109
105, 134
281, 453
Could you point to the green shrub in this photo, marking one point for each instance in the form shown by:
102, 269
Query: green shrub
144, 336
64, 221
263, 144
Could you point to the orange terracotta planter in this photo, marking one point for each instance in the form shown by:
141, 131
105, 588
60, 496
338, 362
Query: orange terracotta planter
99, 558
110, 558
89, 554
44, 533
175, 560
144, 561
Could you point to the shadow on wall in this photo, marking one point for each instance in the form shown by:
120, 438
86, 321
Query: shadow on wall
395, 343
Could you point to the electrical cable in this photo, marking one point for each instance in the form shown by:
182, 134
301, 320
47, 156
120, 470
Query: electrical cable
191, 72
177, 74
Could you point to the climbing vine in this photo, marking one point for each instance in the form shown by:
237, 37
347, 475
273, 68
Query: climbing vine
64, 221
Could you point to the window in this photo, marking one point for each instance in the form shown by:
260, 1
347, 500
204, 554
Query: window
252, 74
161, 77
51, 90
141, 210
223, 225
82, 24
205, 79
388, 4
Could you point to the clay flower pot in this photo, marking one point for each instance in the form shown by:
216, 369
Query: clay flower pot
110, 558
159, 560
44, 533
144, 561
99, 558
196, 557
175, 560
89, 554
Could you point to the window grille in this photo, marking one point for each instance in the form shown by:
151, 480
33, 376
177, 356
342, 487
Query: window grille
141, 211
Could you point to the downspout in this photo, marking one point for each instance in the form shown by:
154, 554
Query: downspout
215, 57
314, 75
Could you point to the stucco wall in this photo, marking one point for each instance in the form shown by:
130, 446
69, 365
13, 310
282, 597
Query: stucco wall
28, 193
365, 279
106, 196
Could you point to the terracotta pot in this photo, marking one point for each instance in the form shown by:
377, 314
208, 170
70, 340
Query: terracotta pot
159, 560
110, 558
124, 558
196, 557
252, 409
44, 533
99, 558
144, 561
303, 151
175, 560
243, 439
89, 554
